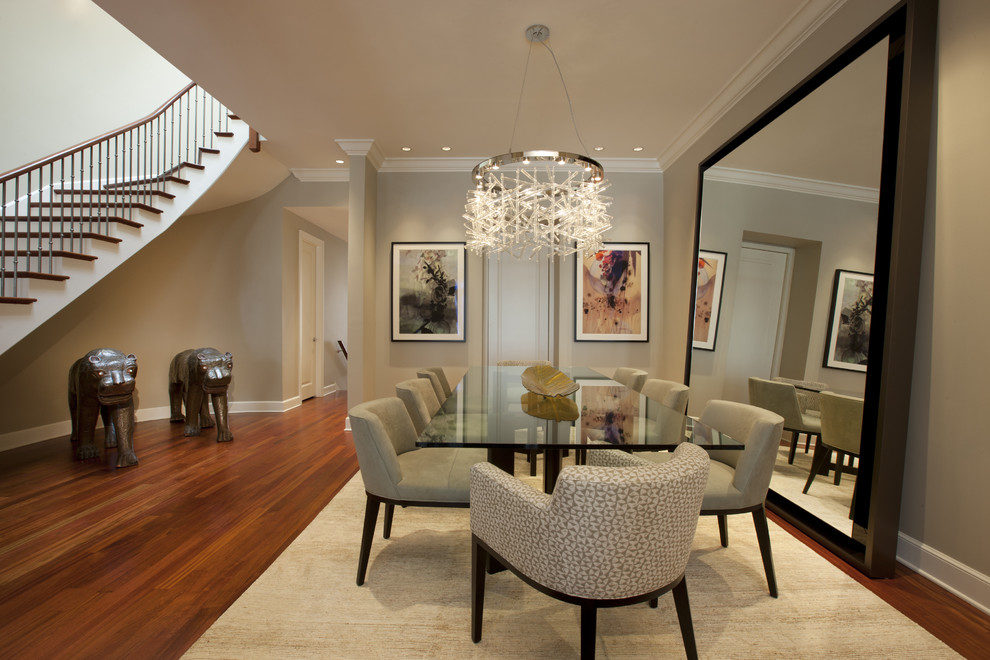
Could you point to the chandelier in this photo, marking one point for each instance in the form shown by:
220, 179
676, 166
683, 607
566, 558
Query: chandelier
527, 201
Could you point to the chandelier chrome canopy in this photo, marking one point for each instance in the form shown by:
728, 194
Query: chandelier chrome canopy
527, 201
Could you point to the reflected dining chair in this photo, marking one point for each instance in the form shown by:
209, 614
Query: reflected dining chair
395, 471
420, 400
782, 399
739, 479
434, 381
604, 538
631, 378
668, 393
842, 429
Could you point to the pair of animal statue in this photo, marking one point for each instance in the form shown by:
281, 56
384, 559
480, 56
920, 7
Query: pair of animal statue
101, 383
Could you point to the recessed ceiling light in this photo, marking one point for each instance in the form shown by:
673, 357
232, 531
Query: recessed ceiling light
407, 148
637, 148
599, 148
445, 148
340, 162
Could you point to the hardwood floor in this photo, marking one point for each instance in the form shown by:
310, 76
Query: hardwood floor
97, 562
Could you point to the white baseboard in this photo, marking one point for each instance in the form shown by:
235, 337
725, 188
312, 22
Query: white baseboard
30, 436
329, 389
950, 574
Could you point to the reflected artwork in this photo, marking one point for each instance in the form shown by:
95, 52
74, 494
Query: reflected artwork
609, 413
708, 298
612, 287
848, 344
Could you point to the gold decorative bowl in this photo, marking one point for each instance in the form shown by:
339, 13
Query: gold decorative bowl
548, 381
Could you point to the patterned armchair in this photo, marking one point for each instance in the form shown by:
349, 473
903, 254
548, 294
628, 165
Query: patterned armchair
606, 537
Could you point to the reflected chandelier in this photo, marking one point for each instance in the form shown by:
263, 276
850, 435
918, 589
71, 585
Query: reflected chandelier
528, 201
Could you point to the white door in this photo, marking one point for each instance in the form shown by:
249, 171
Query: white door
519, 309
310, 316
756, 319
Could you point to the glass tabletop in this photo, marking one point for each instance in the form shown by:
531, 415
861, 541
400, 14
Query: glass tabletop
491, 408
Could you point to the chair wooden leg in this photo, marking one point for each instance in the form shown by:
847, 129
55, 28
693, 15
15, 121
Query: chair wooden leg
589, 625
389, 510
763, 536
370, 518
723, 530
839, 458
532, 462
793, 448
479, 558
819, 458
683, 607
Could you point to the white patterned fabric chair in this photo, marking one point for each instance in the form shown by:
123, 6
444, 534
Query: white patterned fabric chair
396, 471
782, 399
634, 379
420, 400
739, 479
605, 537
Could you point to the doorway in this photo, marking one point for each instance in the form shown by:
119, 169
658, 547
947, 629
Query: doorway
310, 316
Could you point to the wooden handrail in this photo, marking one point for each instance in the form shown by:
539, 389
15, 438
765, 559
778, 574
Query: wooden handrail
24, 169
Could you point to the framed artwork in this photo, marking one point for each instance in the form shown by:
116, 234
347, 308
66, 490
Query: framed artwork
848, 342
612, 293
428, 291
708, 298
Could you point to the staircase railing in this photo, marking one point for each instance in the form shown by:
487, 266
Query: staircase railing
49, 207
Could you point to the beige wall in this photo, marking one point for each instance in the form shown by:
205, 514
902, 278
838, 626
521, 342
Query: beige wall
213, 279
79, 39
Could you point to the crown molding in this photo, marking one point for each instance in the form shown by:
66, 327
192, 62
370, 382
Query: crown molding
793, 184
363, 147
321, 174
802, 24
466, 164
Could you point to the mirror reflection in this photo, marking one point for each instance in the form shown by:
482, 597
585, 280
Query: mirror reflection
787, 244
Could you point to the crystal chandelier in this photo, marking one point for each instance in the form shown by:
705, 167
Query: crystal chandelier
528, 201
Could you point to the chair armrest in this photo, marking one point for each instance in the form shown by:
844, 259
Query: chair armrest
508, 515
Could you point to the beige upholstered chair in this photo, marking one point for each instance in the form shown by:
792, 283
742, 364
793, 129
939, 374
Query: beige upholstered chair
631, 378
435, 381
739, 479
604, 538
809, 393
782, 399
420, 400
442, 379
842, 429
667, 392
395, 471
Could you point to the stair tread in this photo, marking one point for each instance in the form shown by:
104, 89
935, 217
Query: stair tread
74, 219
117, 191
207, 150
168, 178
223, 133
71, 234
65, 254
14, 300
90, 205
34, 275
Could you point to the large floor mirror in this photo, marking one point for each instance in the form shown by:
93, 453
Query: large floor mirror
807, 259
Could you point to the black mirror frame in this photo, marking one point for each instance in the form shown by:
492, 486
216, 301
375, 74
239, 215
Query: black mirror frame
911, 27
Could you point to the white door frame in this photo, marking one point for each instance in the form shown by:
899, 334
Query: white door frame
318, 309
785, 296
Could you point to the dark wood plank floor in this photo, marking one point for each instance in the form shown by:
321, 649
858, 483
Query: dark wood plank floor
97, 562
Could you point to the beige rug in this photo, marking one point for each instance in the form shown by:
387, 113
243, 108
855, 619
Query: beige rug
416, 602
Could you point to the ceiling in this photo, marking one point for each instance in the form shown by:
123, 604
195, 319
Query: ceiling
424, 75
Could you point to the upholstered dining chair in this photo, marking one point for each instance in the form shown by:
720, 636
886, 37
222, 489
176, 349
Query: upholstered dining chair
420, 400
667, 392
434, 381
782, 399
739, 479
604, 538
395, 471
631, 378
442, 379
842, 429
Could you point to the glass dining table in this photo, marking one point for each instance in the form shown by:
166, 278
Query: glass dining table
491, 408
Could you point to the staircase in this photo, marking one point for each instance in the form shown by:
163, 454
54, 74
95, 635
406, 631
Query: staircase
69, 219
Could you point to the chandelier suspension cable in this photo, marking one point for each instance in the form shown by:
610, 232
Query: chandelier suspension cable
522, 88
570, 106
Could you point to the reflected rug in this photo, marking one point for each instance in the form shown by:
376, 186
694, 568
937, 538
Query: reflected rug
416, 602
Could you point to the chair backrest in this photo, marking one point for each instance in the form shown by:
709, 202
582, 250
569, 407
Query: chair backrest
434, 380
634, 379
420, 400
444, 383
759, 430
667, 392
382, 431
619, 532
524, 363
842, 422
809, 397
781, 398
